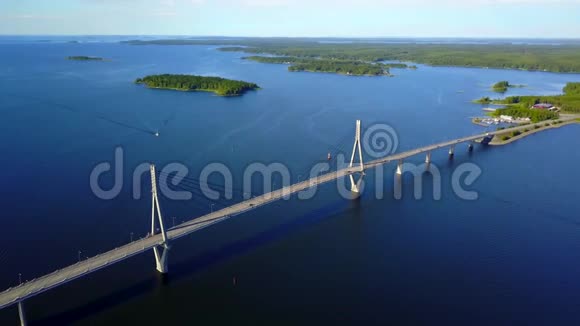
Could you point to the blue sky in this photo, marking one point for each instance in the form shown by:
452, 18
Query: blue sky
349, 18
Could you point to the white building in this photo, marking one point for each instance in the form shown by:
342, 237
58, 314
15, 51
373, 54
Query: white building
506, 118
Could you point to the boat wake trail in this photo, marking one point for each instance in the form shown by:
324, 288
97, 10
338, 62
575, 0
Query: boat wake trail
69, 108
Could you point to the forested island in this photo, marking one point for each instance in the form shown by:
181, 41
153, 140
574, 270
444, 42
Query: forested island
544, 57
84, 58
218, 85
346, 67
503, 86
353, 68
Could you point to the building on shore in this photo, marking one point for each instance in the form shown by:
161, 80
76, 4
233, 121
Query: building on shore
506, 118
543, 106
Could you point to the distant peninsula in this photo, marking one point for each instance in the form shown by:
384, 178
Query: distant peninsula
85, 58
483, 100
539, 112
542, 57
344, 67
217, 85
567, 102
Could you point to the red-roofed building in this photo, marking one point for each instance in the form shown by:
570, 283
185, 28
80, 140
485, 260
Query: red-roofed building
543, 106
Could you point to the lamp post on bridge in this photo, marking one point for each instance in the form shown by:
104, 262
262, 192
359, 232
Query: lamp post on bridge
131, 236
211, 206
174, 221
80, 252
19, 278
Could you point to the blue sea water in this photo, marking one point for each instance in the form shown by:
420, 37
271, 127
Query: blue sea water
509, 257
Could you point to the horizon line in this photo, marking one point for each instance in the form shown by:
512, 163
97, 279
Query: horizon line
312, 37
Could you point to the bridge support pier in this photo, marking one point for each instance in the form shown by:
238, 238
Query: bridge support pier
400, 167
161, 252
355, 186
21, 314
451, 151
427, 161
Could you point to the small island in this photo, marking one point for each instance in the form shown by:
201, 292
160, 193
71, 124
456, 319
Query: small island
85, 58
217, 85
503, 86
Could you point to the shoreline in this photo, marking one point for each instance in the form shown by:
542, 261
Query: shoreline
196, 90
479, 123
501, 68
342, 73
530, 132
518, 124
191, 83
220, 47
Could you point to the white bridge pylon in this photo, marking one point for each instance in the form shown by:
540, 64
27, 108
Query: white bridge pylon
162, 251
355, 186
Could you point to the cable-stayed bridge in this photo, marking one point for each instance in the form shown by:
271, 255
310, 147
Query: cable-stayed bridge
161, 237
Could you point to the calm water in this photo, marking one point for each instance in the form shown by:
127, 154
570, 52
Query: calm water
512, 256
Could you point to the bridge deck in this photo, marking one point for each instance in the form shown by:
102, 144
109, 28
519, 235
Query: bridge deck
32, 288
